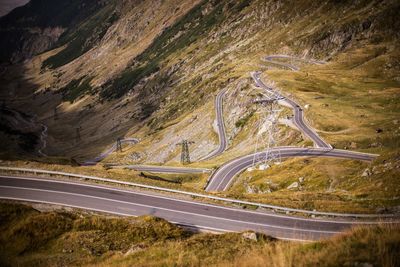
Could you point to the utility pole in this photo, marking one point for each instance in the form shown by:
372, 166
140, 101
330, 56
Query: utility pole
119, 145
185, 156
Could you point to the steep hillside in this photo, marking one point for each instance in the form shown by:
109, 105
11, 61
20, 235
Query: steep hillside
59, 238
151, 70
38, 25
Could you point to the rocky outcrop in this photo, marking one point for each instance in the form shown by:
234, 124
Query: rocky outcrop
32, 41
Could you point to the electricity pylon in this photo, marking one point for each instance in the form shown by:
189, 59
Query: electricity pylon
266, 134
119, 144
185, 156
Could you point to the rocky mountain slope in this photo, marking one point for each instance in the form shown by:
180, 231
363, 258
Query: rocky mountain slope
100, 70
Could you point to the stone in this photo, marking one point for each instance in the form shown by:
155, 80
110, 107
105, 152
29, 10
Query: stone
294, 185
366, 173
353, 145
267, 191
250, 236
135, 248
250, 169
307, 106
250, 189
263, 167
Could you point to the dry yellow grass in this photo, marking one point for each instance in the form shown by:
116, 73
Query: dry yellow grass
53, 238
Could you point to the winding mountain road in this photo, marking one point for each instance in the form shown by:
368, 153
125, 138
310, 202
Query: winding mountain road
223, 142
189, 213
298, 118
270, 59
224, 176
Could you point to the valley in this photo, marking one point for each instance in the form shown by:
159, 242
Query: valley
289, 109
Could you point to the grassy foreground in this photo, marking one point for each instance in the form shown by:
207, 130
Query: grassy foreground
29, 237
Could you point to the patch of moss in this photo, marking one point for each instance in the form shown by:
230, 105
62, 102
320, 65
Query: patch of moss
243, 121
76, 88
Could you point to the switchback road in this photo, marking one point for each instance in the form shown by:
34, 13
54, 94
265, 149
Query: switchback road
223, 143
223, 177
298, 118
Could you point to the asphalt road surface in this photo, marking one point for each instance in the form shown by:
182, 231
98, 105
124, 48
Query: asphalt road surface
224, 176
223, 143
298, 118
293, 67
161, 169
109, 151
183, 212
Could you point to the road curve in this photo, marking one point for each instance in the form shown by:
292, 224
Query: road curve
298, 118
270, 59
223, 177
223, 142
108, 152
183, 212
160, 169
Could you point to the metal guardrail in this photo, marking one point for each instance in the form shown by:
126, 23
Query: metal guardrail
229, 200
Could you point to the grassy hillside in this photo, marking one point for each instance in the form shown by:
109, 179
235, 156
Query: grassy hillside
58, 238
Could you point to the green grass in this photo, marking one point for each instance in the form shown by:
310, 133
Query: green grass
76, 88
243, 121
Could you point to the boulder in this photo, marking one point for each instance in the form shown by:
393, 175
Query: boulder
294, 185
353, 145
263, 167
250, 235
366, 173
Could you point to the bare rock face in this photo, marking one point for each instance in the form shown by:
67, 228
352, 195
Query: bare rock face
35, 41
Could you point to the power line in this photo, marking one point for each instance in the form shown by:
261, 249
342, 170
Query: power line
266, 134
